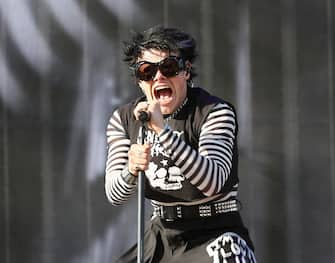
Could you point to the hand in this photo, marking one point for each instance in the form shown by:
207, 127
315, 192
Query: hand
138, 158
156, 122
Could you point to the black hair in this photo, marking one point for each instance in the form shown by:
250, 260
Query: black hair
161, 38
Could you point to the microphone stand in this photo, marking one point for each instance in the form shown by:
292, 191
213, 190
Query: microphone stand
140, 207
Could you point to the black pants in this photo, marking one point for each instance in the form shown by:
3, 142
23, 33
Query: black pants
218, 239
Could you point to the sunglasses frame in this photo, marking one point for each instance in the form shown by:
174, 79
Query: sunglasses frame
179, 60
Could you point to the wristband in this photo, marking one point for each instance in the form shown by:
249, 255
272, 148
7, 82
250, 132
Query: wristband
128, 176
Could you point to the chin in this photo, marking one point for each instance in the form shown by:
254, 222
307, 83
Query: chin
166, 110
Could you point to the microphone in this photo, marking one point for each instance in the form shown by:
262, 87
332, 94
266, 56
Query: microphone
144, 116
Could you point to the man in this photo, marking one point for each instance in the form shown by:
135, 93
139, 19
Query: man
189, 156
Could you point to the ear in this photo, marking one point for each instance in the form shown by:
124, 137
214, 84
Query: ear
188, 67
187, 74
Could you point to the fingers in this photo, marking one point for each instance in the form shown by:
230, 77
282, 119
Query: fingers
138, 158
156, 122
141, 106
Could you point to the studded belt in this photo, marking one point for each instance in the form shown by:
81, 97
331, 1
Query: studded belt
171, 213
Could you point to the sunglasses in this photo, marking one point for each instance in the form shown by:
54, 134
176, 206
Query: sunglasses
169, 67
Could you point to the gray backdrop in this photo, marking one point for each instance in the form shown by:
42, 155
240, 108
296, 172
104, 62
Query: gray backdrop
61, 76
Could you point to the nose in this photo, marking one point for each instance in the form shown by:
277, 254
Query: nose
159, 75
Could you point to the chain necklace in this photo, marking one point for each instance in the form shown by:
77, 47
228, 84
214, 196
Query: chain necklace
168, 117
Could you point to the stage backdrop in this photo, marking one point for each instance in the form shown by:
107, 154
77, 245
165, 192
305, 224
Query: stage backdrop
61, 75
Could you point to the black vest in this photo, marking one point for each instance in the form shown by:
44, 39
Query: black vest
188, 122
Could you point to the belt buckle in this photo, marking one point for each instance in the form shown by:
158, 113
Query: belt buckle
170, 213
205, 210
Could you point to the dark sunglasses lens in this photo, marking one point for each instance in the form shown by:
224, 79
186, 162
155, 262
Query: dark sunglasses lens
169, 67
146, 71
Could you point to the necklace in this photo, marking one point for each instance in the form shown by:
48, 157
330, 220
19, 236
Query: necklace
168, 117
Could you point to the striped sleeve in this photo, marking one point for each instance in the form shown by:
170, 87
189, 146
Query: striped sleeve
209, 167
116, 188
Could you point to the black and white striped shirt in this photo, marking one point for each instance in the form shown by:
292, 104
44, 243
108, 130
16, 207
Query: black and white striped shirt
207, 168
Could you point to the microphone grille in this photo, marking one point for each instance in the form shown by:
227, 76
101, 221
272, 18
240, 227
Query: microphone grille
144, 116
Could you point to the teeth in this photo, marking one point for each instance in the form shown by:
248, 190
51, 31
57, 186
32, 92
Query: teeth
162, 87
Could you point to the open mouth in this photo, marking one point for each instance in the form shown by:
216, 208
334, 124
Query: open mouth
163, 93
